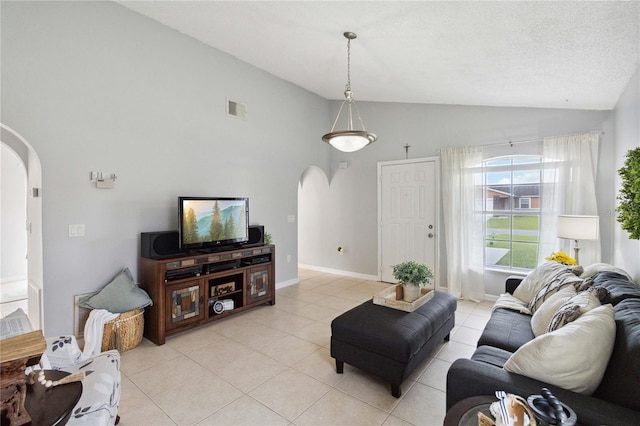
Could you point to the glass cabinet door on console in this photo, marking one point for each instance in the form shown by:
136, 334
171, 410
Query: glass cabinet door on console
259, 285
184, 303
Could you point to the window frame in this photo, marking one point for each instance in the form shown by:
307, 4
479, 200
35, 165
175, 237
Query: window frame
510, 208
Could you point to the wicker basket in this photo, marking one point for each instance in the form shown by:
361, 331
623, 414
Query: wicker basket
123, 332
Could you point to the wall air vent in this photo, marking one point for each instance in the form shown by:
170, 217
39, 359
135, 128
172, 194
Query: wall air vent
236, 109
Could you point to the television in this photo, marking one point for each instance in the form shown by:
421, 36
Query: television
212, 223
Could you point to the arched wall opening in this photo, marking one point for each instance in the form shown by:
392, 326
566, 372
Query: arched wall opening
31, 161
313, 216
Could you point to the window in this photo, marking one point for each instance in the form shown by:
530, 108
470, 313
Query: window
510, 205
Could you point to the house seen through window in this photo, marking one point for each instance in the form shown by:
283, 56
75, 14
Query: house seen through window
510, 205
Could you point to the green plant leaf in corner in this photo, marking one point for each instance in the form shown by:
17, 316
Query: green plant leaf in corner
629, 196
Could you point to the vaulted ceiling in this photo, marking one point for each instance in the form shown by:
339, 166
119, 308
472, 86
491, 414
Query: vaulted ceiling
564, 54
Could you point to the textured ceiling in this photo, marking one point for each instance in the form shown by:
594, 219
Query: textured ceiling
506, 53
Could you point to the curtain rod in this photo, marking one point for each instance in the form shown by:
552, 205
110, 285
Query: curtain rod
517, 142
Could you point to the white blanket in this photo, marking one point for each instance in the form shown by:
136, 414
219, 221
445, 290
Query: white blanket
93, 330
508, 301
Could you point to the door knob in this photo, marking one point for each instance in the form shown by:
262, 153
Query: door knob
430, 235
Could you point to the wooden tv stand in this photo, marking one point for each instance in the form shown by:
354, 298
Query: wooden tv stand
185, 290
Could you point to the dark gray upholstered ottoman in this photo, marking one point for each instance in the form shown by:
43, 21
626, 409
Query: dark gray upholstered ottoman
388, 342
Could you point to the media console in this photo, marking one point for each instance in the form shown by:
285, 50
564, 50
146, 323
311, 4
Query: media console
193, 290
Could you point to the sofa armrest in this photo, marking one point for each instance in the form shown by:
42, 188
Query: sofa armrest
512, 282
62, 352
467, 378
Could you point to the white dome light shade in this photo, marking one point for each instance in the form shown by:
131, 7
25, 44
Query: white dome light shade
349, 140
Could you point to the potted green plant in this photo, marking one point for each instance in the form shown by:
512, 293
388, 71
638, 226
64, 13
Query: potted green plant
629, 197
413, 276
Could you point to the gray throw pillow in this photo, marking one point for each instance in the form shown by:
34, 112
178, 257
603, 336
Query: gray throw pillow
120, 295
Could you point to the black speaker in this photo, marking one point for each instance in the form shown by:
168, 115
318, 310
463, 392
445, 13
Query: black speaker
256, 236
159, 245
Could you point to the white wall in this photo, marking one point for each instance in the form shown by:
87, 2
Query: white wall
428, 128
94, 86
13, 215
627, 129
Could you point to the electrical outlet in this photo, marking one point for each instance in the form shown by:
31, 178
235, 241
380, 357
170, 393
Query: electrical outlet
288, 258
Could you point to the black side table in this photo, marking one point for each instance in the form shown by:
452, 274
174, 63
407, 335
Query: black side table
52, 406
465, 412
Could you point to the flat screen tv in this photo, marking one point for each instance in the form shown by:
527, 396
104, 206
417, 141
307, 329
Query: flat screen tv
213, 223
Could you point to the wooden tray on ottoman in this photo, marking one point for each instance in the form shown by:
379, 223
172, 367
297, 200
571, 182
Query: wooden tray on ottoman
392, 298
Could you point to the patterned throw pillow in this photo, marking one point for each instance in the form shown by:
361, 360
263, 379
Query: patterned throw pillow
544, 314
567, 313
564, 277
573, 308
536, 279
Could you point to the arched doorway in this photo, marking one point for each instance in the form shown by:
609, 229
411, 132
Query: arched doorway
13, 216
31, 161
313, 220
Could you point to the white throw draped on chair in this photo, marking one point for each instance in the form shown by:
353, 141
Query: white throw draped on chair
463, 227
568, 187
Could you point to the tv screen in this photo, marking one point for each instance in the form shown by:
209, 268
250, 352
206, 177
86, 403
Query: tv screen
213, 222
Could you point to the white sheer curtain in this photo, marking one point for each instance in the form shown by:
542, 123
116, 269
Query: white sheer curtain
568, 187
462, 226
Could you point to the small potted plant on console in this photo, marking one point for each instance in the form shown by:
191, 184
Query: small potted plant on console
413, 276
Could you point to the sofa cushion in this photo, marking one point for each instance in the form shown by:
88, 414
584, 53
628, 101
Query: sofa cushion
543, 315
532, 283
620, 382
573, 357
619, 287
596, 268
507, 330
490, 355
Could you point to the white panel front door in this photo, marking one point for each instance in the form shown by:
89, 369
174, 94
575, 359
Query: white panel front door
408, 214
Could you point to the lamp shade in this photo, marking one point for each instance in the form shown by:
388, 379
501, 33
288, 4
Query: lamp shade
576, 227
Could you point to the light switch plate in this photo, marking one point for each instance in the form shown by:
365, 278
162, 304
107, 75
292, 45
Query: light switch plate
76, 230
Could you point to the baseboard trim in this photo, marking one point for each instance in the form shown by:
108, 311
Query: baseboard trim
490, 297
339, 272
287, 283
7, 280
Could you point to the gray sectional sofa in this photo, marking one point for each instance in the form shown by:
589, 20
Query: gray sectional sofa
616, 399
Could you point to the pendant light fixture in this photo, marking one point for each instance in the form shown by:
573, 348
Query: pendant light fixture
349, 140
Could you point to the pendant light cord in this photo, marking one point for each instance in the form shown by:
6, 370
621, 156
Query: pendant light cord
349, 64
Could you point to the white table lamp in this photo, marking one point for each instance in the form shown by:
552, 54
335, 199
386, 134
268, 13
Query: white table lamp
577, 227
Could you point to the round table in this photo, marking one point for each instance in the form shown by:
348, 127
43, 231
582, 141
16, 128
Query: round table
465, 412
52, 406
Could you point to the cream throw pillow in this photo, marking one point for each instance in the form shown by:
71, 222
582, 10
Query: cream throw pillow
573, 357
542, 317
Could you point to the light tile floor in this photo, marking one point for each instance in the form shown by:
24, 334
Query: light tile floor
272, 366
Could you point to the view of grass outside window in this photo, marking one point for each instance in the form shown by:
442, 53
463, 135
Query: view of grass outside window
510, 188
